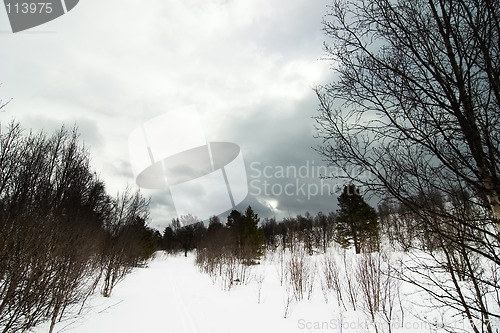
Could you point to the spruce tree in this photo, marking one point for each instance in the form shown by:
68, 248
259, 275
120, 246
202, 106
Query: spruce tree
248, 236
357, 222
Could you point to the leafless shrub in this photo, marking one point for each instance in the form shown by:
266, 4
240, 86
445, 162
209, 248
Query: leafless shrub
288, 299
281, 264
259, 278
368, 274
391, 292
332, 278
222, 264
301, 274
379, 287
351, 287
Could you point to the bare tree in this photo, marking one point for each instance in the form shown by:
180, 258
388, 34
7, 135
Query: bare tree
415, 112
50, 222
120, 253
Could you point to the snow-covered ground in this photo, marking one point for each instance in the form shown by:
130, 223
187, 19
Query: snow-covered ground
172, 295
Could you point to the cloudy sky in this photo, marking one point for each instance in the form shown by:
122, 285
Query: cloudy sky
247, 66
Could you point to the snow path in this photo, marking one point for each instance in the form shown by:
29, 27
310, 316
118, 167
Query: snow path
189, 324
171, 295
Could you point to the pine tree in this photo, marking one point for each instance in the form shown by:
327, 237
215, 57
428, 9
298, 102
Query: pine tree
254, 236
357, 223
244, 228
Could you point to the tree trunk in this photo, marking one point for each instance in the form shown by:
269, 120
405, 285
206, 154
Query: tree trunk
494, 202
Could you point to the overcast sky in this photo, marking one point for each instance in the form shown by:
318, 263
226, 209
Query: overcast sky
248, 66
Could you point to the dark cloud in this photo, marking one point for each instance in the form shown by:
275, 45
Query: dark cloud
249, 66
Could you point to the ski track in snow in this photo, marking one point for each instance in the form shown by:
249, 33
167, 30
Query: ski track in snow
153, 299
188, 321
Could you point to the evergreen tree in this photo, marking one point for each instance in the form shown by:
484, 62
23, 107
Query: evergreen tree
357, 222
169, 240
244, 228
254, 236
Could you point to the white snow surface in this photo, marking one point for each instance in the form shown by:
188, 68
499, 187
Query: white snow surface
172, 295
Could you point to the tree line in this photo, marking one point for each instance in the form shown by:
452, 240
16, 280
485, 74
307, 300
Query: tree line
62, 235
240, 234
354, 224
